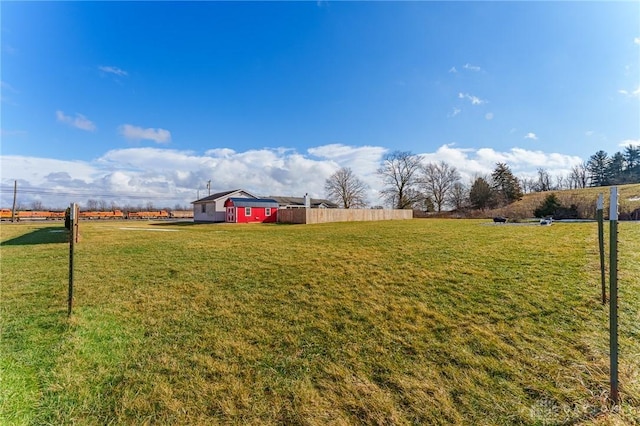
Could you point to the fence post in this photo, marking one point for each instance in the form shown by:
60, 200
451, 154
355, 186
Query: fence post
613, 292
600, 217
73, 238
15, 194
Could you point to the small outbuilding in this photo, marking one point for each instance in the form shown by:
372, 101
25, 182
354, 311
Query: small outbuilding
247, 210
212, 208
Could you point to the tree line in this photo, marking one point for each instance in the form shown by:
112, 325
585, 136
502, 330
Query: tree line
411, 183
103, 205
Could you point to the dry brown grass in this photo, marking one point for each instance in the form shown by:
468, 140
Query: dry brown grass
408, 322
583, 199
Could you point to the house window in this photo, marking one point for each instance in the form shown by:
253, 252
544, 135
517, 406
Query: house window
267, 211
203, 208
247, 211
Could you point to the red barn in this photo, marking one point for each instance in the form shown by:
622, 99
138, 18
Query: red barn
246, 210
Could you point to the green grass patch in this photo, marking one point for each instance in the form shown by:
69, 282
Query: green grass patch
399, 322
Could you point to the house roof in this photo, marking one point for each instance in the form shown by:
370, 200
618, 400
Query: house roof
218, 195
299, 201
253, 202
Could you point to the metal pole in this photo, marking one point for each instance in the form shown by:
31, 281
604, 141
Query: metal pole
73, 212
613, 292
15, 193
600, 217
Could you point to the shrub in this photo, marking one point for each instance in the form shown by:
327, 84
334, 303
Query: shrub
548, 206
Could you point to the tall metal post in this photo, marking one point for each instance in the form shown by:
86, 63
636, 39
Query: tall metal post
73, 235
613, 292
15, 193
600, 217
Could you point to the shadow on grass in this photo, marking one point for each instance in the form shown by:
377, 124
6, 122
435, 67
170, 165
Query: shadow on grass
40, 236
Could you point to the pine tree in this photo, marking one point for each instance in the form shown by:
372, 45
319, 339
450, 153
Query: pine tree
480, 194
505, 184
598, 167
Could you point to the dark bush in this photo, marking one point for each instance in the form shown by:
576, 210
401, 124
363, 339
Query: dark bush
548, 206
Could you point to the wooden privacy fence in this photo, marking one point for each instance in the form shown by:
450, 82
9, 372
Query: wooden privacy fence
308, 216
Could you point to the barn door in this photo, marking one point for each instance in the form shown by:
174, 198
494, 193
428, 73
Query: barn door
231, 216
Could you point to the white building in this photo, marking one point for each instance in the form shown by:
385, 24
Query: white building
212, 209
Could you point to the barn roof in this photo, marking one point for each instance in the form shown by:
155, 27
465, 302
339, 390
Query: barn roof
254, 202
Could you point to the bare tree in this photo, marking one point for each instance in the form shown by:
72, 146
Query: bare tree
579, 176
458, 196
544, 181
92, 205
344, 188
399, 173
103, 205
37, 205
528, 185
437, 180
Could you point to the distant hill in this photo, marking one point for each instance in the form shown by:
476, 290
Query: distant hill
584, 200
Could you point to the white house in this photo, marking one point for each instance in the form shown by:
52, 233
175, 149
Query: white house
212, 209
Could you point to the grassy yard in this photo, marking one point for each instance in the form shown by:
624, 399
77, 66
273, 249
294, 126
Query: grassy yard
400, 322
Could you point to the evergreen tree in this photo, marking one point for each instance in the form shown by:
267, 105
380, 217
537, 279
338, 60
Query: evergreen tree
598, 167
505, 184
632, 156
632, 163
548, 206
616, 169
480, 194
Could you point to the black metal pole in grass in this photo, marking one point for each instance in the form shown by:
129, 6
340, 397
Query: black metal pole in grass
600, 217
613, 292
73, 235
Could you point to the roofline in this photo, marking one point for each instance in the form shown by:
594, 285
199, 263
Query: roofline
220, 195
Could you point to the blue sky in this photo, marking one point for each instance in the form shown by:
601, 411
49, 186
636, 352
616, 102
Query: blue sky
147, 101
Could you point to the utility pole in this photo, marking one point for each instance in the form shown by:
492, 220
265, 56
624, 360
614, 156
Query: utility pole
15, 193
209, 186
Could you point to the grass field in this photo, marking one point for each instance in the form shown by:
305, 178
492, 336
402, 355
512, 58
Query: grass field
398, 322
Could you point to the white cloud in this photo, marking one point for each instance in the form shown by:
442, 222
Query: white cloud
473, 99
633, 94
113, 70
633, 142
166, 176
79, 122
472, 162
488, 116
138, 133
455, 112
453, 70
363, 160
636, 40
470, 67
531, 136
